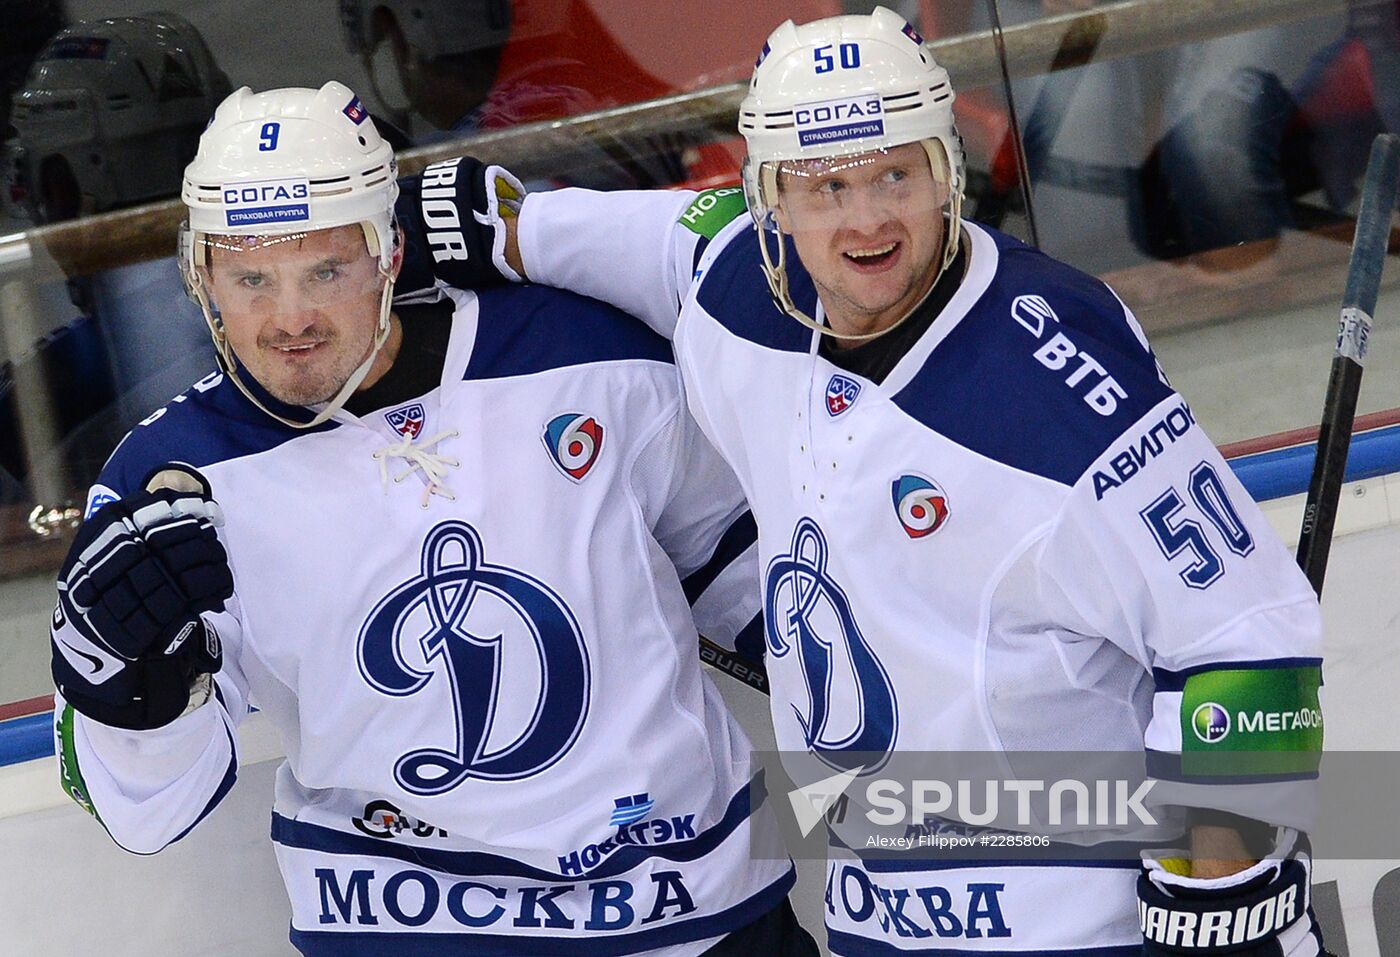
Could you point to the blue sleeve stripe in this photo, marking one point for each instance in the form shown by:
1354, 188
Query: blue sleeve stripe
1281, 472
749, 642
737, 538
1167, 681
526, 329
735, 294
224, 787
843, 944
700, 247
391, 944
1166, 766
316, 837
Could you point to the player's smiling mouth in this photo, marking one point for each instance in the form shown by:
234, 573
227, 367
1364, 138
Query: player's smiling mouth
873, 258
298, 348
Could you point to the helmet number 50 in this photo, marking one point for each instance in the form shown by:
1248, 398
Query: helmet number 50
267, 138
848, 52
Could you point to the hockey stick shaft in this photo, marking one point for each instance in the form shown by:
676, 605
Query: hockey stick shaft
1368, 252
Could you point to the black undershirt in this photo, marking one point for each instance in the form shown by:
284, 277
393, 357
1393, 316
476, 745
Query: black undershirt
417, 369
874, 358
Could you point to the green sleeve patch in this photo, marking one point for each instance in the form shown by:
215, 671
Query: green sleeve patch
713, 210
70, 776
1257, 721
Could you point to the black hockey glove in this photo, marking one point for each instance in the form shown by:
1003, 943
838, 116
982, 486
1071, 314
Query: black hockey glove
128, 642
1260, 912
453, 220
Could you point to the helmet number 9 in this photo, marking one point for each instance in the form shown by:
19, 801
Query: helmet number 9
849, 53
267, 138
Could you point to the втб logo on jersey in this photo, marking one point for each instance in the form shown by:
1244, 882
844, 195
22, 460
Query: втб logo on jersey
1088, 377
922, 506
472, 623
574, 442
1031, 312
851, 701
407, 420
841, 394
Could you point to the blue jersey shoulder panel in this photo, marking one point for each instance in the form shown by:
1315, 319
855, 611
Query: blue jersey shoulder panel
526, 329
210, 422
734, 291
1043, 373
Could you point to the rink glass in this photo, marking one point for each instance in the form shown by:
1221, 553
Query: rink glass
1205, 169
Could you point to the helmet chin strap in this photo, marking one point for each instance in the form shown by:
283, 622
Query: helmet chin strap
229, 365
776, 274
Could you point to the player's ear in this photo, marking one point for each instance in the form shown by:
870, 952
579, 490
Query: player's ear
778, 204
780, 215
941, 191
204, 275
396, 263
937, 159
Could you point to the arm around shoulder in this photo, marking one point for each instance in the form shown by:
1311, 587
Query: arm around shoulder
631, 248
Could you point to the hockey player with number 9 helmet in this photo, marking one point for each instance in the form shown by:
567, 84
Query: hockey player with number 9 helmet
834, 112
290, 246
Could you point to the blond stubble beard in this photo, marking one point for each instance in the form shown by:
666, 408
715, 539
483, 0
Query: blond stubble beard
314, 386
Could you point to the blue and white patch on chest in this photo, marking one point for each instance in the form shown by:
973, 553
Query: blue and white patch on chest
841, 394
407, 420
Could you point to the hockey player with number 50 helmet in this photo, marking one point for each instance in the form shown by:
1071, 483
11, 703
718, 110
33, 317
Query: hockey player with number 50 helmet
850, 137
987, 522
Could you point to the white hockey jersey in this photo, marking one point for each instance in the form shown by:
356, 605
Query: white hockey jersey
1020, 540
498, 735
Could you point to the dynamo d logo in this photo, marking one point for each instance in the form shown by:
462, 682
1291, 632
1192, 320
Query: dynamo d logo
574, 443
851, 703
1210, 722
453, 622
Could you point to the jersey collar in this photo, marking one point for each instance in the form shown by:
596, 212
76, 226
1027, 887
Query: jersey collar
983, 257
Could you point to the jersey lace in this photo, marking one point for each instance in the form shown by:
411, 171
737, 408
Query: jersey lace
432, 465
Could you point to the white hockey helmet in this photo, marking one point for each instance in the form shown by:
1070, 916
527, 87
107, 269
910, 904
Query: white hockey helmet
435, 28
276, 165
844, 86
96, 97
